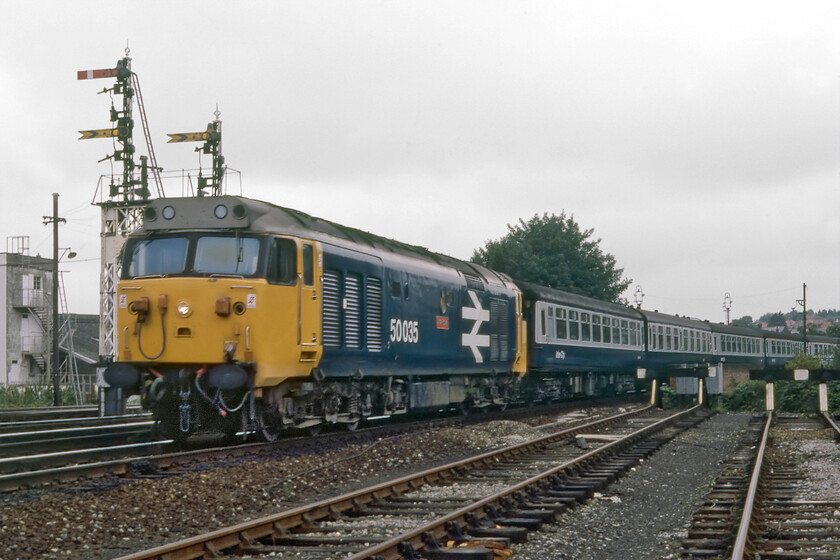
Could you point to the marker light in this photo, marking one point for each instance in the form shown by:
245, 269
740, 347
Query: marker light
168, 212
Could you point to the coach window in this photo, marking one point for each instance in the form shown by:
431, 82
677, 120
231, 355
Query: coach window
542, 321
560, 324
632, 334
574, 325
596, 328
606, 331
551, 332
281, 262
625, 338
308, 265
585, 328
616, 335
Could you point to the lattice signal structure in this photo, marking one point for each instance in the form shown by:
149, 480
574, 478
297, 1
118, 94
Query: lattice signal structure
122, 206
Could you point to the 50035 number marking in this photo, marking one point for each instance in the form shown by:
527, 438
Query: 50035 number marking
405, 331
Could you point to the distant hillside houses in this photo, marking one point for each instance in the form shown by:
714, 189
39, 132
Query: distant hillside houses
794, 326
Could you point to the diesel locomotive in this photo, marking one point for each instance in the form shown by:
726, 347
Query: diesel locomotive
239, 315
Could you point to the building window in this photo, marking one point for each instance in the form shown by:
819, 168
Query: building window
36, 283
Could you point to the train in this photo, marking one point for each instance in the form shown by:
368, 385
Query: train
237, 316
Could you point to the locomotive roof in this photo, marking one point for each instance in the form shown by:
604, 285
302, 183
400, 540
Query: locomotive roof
255, 216
552, 295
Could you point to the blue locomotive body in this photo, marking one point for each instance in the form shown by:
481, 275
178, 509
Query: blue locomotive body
386, 314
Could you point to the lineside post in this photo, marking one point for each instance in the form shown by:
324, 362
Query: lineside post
769, 396
823, 397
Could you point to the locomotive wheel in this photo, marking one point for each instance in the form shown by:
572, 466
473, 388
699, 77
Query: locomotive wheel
270, 425
270, 433
315, 430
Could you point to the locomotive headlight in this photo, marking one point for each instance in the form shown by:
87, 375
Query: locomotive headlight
220, 211
184, 309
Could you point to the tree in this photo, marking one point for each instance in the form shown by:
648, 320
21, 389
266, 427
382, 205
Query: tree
775, 319
745, 321
553, 251
833, 330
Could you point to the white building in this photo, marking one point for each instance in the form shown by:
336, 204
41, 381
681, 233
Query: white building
26, 304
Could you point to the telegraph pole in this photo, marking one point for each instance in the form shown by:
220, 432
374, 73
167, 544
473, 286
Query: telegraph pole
802, 302
54, 356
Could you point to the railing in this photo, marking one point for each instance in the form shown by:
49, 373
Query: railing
33, 344
30, 297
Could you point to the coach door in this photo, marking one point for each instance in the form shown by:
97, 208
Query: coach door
310, 267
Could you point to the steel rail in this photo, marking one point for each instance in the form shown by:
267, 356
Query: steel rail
829, 419
279, 523
744, 529
61, 423
41, 435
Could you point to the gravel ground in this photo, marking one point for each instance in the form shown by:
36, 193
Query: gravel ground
105, 518
645, 514
817, 458
642, 516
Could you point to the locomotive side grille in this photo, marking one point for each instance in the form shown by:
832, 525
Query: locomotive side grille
499, 335
352, 308
494, 330
332, 309
473, 282
373, 318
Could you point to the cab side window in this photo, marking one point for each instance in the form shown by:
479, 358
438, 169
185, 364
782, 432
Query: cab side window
282, 259
308, 266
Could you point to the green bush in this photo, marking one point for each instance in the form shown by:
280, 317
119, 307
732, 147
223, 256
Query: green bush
803, 361
797, 396
791, 396
28, 396
744, 397
672, 399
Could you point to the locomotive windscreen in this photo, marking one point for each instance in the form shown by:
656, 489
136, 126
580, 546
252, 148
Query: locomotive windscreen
192, 255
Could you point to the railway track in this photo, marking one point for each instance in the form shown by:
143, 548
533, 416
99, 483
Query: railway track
54, 440
164, 457
62, 423
762, 507
44, 413
479, 504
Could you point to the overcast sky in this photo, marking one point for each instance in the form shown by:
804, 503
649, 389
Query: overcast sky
700, 140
